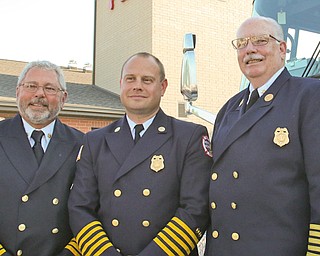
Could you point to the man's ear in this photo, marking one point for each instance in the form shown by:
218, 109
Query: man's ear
164, 85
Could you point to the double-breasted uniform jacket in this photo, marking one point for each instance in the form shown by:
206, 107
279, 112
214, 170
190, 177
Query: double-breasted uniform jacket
33, 210
265, 182
144, 199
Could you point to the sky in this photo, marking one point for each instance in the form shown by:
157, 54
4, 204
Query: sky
54, 30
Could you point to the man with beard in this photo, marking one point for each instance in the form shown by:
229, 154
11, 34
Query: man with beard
38, 156
265, 182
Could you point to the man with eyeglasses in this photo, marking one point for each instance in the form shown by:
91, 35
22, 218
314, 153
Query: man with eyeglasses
265, 183
38, 157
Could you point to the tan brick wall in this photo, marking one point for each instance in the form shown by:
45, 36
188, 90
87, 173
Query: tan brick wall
158, 26
120, 33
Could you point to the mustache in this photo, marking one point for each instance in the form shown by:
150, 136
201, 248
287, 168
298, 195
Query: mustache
252, 57
41, 101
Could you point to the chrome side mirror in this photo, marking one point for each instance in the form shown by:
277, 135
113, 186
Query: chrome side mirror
188, 81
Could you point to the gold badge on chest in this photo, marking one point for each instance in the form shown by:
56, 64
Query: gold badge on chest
157, 163
281, 136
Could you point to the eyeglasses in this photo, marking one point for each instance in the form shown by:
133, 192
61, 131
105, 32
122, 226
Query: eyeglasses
48, 89
259, 40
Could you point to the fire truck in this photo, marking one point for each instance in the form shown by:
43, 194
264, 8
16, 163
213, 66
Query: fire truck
300, 21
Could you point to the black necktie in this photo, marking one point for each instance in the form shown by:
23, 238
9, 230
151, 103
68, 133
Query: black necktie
37, 148
137, 129
253, 98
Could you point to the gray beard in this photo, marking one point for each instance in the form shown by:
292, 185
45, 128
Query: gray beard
41, 117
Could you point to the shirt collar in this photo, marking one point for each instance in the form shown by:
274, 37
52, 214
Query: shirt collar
262, 89
146, 125
47, 130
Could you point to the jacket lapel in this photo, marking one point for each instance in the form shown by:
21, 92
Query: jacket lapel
59, 149
156, 135
19, 151
240, 124
120, 140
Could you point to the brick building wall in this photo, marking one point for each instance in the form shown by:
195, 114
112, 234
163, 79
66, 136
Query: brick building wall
158, 26
84, 124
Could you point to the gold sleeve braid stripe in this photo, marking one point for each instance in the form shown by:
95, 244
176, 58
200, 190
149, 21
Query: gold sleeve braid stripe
2, 250
176, 238
314, 240
72, 246
312, 254
92, 239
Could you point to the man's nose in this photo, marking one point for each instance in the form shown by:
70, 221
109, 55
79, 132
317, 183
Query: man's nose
138, 84
40, 91
250, 47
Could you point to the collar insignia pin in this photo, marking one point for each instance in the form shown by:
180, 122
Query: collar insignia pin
268, 97
161, 129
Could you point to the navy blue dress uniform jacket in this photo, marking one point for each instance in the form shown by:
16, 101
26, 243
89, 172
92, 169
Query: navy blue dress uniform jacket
265, 181
150, 198
33, 209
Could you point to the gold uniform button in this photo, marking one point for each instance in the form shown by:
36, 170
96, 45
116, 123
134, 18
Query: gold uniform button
235, 175
55, 201
55, 231
213, 205
235, 236
22, 227
145, 223
25, 198
146, 192
115, 223
215, 234
19, 252
233, 205
214, 176
117, 193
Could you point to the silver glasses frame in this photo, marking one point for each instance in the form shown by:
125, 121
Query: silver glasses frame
50, 90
